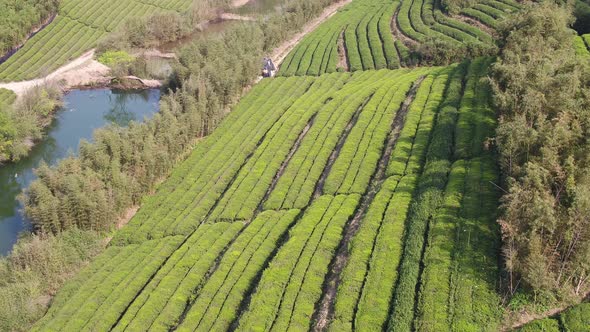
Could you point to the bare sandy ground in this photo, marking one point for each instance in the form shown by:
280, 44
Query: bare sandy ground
81, 71
239, 3
235, 17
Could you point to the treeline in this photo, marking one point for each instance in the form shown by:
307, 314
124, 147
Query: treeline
22, 120
542, 90
123, 164
19, 17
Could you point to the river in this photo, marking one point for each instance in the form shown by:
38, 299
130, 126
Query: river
82, 113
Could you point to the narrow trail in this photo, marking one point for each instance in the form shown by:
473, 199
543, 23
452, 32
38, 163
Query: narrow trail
342, 53
325, 310
319, 188
80, 71
279, 53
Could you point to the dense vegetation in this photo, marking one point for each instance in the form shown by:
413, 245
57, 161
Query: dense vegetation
39, 266
19, 18
543, 141
573, 319
303, 166
22, 121
376, 34
361, 200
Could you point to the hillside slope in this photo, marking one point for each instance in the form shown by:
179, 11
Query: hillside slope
247, 230
77, 28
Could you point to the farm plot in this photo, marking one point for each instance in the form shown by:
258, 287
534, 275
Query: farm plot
361, 35
245, 232
358, 37
454, 218
489, 12
77, 28
423, 20
364, 294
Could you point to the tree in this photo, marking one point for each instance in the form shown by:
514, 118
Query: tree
541, 89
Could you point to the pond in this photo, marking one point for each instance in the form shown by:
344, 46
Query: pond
82, 113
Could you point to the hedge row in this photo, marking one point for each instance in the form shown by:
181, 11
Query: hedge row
298, 183
184, 205
427, 200
457, 288
358, 158
254, 178
292, 284
78, 27
218, 302
368, 40
164, 298
124, 275
64, 39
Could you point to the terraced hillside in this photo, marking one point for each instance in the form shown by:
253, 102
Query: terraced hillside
299, 211
377, 34
77, 27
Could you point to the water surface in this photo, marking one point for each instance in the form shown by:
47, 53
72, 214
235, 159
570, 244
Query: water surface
82, 113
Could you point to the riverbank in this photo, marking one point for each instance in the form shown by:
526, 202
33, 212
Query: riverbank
82, 73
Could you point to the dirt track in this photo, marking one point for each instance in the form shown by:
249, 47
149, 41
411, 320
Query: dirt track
85, 70
279, 53
80, 71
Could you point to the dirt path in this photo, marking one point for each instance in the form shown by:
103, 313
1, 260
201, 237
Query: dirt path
239, 3
235, 17
325, 310
80, 71
279, 53
83, 71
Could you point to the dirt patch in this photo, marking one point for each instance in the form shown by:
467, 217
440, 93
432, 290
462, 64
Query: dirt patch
397, 32
325, 310
239, 3
279, 53
154, 53
515, 320
81, 72
342, 53
475, 23
235, 17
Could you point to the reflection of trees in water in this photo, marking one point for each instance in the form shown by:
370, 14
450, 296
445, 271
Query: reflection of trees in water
118, 113
14, 177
